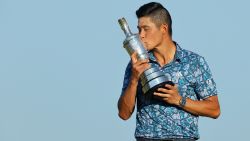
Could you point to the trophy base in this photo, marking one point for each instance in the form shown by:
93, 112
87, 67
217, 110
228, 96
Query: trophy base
160, 85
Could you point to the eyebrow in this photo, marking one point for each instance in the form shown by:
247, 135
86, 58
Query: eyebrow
144, 26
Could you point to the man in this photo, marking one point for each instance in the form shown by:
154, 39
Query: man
173, 112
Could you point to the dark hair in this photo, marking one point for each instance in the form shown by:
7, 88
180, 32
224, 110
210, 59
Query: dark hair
158, 14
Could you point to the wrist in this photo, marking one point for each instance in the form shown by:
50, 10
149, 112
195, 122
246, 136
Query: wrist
134, 81
182, 102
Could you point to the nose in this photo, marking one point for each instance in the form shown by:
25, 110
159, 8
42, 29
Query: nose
142, 34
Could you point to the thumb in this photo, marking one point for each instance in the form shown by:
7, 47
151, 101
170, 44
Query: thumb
134, 57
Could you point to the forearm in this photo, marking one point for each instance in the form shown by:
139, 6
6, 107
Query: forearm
209, 107
126, 103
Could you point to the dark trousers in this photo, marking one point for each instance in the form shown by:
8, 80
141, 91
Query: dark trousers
144, 139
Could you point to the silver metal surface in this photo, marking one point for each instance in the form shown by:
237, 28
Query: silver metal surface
151, 76
132, 42
154, 83
148, 72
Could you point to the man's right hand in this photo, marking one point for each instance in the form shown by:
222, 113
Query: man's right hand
126, 103
138, 67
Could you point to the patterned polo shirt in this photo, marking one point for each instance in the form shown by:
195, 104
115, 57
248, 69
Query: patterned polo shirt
158, 120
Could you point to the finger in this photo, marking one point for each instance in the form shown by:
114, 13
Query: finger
141, 67
165, 99
140, 62
144, 66
161, 95
168, 86
148, 65
163, 90
134, 57
176, 86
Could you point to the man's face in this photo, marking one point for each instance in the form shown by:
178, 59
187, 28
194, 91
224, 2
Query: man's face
150, 34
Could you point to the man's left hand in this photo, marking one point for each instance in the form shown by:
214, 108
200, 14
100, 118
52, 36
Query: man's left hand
169, 94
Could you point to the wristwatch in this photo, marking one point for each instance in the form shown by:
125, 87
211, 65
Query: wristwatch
182, 102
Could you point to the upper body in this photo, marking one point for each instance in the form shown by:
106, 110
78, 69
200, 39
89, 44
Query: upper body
163, 117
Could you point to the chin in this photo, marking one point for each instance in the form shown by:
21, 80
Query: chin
148, 48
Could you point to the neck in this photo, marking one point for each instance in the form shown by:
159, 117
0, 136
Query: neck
164, 53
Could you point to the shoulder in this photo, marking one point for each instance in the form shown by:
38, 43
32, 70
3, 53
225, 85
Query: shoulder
191, 57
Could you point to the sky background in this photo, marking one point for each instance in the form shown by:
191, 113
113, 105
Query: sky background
62, 65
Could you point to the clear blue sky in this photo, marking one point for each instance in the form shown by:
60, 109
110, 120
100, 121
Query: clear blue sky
62, 65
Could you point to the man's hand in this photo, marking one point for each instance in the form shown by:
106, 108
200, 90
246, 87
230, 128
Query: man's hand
126, 103
138, 67
169, 94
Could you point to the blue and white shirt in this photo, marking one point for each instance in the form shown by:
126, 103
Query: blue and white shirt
158, 120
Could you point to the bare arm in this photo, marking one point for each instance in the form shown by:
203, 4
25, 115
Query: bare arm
126, 103
208, 107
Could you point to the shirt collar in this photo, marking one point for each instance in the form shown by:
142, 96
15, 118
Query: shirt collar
177, 57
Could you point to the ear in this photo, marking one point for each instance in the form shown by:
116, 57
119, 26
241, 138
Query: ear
164, 28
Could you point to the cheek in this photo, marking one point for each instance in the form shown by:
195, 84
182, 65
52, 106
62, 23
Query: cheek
155, 39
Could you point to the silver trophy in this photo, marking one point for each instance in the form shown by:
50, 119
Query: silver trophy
152, 78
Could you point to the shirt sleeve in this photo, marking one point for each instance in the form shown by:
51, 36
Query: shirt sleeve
126, 77
205, 85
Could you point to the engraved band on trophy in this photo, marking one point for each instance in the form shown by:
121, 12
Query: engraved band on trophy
152, 78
